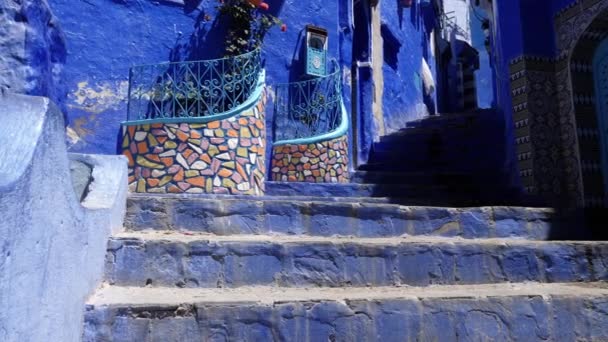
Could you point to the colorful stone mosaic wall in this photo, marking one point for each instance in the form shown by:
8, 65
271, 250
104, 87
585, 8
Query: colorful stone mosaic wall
322, 162
219, 157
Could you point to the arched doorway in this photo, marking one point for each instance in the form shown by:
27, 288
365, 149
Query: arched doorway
589, 81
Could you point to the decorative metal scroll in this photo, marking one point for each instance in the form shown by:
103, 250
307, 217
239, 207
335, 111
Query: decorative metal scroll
308, 108
192, 89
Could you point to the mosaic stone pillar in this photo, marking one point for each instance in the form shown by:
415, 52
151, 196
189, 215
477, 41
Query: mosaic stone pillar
218, 157
321, 162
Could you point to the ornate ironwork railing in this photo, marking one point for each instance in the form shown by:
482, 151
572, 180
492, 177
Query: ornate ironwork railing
192, 89
308, 108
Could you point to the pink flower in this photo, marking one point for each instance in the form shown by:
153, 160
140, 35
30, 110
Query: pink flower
284, 27
264, 6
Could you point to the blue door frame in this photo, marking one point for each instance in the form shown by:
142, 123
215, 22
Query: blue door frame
600, 80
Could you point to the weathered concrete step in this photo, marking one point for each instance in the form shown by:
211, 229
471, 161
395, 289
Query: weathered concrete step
418, 135
287, 216
502, 312
428, 177
404, 191
174, 259
453, 119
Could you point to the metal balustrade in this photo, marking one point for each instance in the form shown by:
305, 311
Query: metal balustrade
308, 108
192, 89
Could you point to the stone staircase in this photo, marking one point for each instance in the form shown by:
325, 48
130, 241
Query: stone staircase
289, 268
366, 261
453, 160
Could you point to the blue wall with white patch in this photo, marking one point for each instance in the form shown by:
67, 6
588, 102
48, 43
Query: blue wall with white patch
104, 38
406, 34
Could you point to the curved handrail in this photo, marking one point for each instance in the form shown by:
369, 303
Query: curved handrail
341, 130
192, 89
308, 109
250, 102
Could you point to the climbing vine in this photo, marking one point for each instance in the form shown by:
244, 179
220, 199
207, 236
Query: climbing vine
248, 23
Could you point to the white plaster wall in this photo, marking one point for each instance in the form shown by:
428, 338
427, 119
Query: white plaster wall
460, 11
52, 247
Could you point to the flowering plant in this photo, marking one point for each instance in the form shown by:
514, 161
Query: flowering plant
248, 24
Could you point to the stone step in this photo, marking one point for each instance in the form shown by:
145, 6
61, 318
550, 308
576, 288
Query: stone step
402, 191
174, 259
422, 178
284, 215
500, 312
451, 119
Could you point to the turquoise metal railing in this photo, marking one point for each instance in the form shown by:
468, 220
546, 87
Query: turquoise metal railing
308, 108
189, 90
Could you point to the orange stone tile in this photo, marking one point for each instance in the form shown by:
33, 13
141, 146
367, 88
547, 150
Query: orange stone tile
182, 136
307, 166
153, 182
174, 190
129, 156
241, 171
197, 181
142, 147
206, 158
259, 124
291, 167
179, 176
157, 125
187, 153
194, 134
223, 148
167, 161
213, 125
292, 178
303, 148
131, 130
243, 121
225, 173
233, 133
161, 139
153, 157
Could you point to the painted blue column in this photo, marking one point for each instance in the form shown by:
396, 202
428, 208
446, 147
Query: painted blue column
363, 116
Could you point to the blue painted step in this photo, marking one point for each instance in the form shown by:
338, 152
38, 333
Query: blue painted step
418, 178
405, 191
453, 120
169, 259
283, 215
504, 312
457, 191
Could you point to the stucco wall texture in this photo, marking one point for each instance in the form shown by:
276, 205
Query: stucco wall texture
50, 260
32, 49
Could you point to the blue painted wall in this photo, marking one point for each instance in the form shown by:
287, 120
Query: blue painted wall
520, 27
406, 37
105, 37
